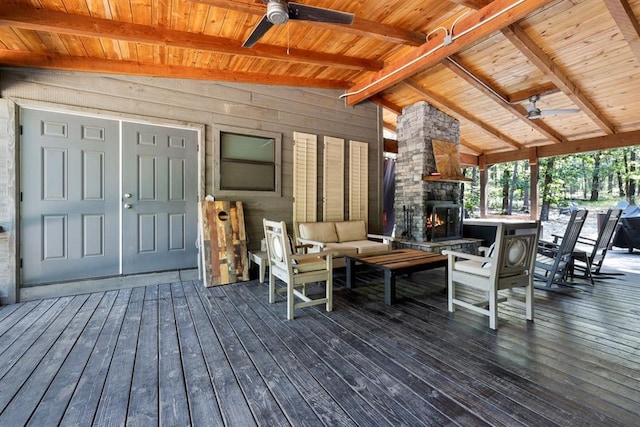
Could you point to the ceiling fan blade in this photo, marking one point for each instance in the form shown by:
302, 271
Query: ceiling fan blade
260, 30
309, 13
558, 112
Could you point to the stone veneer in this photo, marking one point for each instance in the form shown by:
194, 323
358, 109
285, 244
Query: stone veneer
417, 126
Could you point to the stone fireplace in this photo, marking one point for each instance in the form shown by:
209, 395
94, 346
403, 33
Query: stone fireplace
427, 209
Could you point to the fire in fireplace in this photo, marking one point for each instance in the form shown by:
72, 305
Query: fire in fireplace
443, 221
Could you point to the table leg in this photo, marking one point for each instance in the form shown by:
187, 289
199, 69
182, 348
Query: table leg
351, 274
389, 287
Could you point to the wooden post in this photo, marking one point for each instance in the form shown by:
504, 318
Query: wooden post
533, 183
484, 181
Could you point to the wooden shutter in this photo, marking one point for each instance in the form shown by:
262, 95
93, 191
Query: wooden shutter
305, 177
358, 180
333, 188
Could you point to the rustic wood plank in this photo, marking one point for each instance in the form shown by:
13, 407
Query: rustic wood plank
21, 338
230, 399
52, 405
326, 408
143, 399
200, 390
362, 398
114, 400
86, 396
27, 399
264, 407
174, 407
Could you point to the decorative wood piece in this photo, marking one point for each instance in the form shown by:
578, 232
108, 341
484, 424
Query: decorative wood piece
447, 162
223, 243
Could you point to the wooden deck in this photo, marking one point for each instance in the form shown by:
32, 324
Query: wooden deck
181, 354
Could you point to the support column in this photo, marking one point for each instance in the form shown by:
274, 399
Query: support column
484, 186
534, 172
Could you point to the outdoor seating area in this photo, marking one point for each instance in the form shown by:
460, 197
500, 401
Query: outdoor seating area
183, 354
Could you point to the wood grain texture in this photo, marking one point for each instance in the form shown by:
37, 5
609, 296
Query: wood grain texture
224, 352
223, 243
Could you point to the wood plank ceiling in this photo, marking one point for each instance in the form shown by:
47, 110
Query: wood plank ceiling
573, 54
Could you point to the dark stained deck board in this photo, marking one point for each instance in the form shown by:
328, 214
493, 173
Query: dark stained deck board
263, 405
340, 386
86, 395
30, 392
230, 399
200, 392
143, 398
174, 409
56, 398
183, 354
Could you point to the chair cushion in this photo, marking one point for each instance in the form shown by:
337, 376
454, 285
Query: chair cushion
368, 246
318, 231
348, 231
342, 248
473, 267
309, 264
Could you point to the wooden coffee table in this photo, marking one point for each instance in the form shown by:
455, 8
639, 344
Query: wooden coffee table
393, 263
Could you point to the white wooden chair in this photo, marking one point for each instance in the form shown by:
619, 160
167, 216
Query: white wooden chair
509, 265
296, 270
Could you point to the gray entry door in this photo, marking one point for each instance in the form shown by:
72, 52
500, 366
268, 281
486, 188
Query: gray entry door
70, 197
159, 205
76, 219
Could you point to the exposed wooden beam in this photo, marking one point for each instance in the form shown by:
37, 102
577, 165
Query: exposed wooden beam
476, 150
472, 4
627, 22
383, 102
599, 143
468, 160
360, 27
87, 26
444, 104
524, 95
91, 65
390, 146
531, 50
469, 30
517, 110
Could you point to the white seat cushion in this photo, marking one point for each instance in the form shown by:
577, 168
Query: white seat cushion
473, 267
309, 264
342, 248
368, 246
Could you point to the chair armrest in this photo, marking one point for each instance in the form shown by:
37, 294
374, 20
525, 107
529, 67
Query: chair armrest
586, 240
302, 248
483, 249
547, 244
556, 237
313, 243
323, 254
463, 255
385, 239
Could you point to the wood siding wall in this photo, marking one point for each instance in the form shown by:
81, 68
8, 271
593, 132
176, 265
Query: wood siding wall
271, 108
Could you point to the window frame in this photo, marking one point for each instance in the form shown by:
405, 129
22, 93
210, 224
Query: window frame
218, 130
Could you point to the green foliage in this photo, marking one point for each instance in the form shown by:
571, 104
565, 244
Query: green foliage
572, 180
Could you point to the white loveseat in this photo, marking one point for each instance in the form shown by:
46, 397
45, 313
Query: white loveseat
344, 237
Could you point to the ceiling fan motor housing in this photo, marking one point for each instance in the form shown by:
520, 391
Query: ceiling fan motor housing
277, 12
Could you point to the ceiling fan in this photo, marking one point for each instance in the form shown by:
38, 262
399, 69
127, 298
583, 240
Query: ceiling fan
534, 112
280, 11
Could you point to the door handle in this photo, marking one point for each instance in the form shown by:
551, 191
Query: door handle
127, 205
127, 195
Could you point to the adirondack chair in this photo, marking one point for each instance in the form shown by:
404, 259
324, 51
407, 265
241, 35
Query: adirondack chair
589, 254
508, 265
296, 270
553, 258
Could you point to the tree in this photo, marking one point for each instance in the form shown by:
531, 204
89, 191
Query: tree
506, 175
595, 178
547, 166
